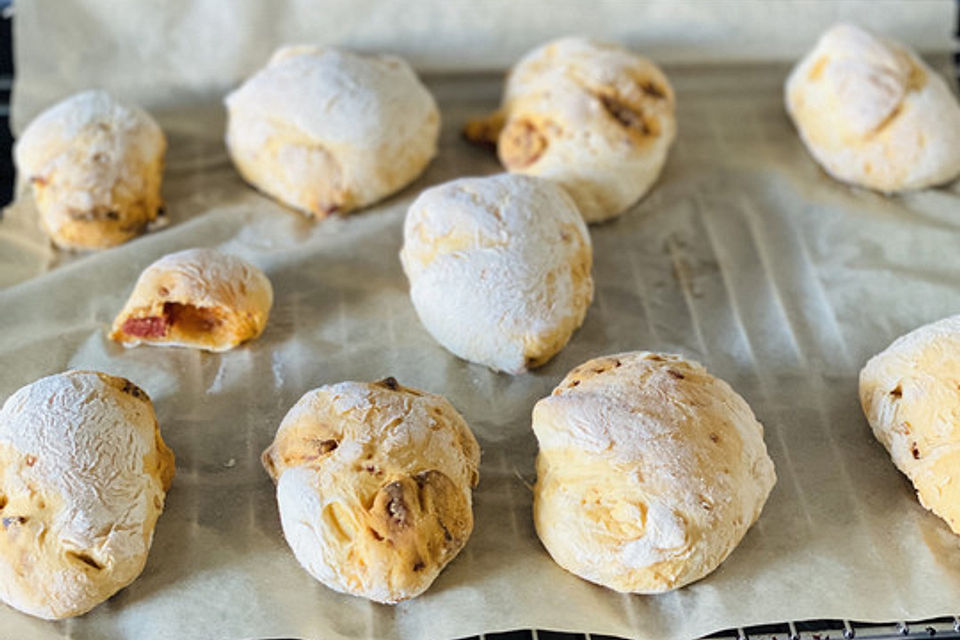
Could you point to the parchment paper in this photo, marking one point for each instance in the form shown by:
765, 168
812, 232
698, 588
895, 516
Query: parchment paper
745, 256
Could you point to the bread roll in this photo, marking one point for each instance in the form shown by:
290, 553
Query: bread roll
374, 486
650, 471
83, 476
910, 397
326, 131
873, 114
592, 116
95, 166
499, 268
197, 298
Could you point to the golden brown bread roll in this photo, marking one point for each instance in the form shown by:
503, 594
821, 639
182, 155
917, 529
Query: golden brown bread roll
83, 477
499, 268
872, 113
592, 116
649, 474
95, 166
197, 298
909, 394
326, 131
374, 486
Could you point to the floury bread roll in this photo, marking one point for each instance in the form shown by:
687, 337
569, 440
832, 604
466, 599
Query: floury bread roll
326, 131
83, 477
374, 484
197, 298
95, 166
594, 117
873, 114
650, 471
499, 268
910, 396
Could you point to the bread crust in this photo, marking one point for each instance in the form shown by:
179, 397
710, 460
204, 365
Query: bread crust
95, 167
326, 131
83, 478
649, 474
374, 486
909, 396
592, 116
198, 298
873, 114
499, 268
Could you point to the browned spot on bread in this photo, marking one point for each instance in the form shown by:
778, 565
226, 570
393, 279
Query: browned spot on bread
817, 69
30, 460
917, 78
653, 90
390, 383
676, 374
484, 131
915, 451
422, 518
325, 446
521, 144
396, 506
631, 117
886, 122
133, 390
85, 558
715, 437
898, 392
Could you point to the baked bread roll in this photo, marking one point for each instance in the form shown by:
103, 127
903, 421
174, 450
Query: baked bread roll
95, 167
374, 486
326, 131
499, 268
198, 298
873, 114
910, 397
650, 471
83, 477
592, 116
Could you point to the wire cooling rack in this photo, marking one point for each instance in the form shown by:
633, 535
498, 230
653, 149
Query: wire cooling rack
947, 627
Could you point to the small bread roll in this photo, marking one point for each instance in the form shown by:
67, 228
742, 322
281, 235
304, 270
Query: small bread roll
374, 486
95, 166
83, 477
910, 397
198, 298
873, 114
499, 268
650, 471
592, 116
326, 131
